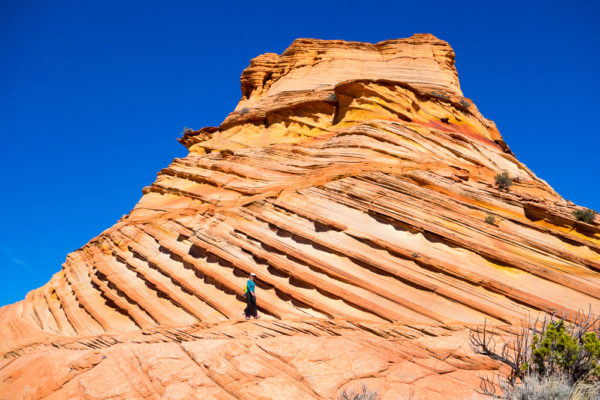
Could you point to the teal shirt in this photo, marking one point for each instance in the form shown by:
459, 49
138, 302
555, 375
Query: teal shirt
250, 285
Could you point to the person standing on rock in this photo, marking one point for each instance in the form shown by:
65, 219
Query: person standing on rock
250, 293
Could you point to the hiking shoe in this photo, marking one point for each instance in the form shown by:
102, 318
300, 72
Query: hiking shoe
247, 317
256, 316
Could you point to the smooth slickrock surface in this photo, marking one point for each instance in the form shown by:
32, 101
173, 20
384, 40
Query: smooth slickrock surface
308, 359
354, 179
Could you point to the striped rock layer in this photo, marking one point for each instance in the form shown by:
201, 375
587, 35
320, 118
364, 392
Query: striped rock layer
355, 180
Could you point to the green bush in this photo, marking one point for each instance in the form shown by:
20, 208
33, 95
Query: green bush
585, 215
490, 219
503, 181
187, 130
561, 349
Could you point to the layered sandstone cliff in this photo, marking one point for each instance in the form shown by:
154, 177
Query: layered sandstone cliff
354, 179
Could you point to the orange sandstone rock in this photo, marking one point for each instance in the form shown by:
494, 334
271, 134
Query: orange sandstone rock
354, 179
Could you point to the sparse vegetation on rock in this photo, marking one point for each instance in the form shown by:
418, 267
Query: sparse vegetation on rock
441, 96
186, 130
503, 180
490, 219
465, 103
363, 394
584, 215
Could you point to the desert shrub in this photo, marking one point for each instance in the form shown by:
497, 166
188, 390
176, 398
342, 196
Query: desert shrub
585, 391
465, 103
503, 181
545, 352
363, 394
440, 96
535, 387
187, 130
552, 387
332, 96
585, 215
244, 111
490, 219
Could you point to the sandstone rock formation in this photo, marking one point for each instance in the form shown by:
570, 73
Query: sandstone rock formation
355, 180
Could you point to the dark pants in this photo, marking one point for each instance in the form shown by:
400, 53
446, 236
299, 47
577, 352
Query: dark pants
250, 310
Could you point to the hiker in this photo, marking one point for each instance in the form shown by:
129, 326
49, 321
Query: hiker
249, 292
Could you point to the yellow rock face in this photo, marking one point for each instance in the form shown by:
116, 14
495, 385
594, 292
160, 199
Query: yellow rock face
354, 179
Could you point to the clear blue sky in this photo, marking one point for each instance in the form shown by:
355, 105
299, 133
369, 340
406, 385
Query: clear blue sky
93, 95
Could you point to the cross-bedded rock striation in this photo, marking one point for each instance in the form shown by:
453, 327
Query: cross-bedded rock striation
358, 183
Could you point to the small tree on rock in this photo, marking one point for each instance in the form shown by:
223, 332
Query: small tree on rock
503, 181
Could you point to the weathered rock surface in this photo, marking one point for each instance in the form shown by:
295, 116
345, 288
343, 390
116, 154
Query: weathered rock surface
354, 179
308, 359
